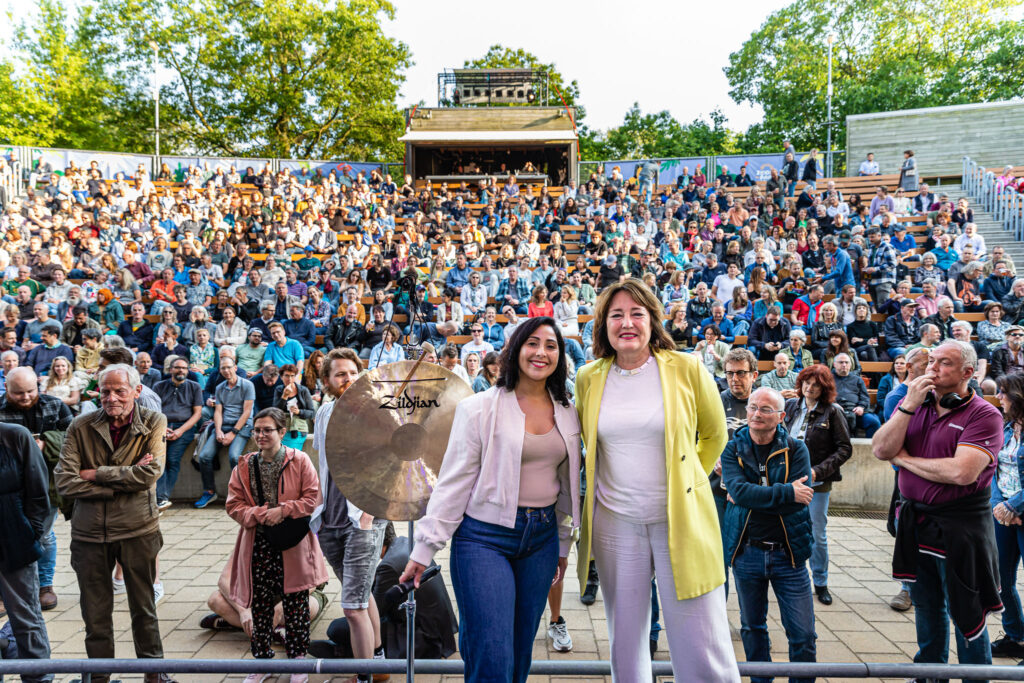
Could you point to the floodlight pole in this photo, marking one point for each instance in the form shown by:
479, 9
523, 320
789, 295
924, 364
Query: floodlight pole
828, 160
156, 96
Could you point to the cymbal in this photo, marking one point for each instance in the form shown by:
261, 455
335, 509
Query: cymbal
388, 434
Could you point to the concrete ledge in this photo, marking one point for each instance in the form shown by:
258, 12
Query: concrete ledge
867, 481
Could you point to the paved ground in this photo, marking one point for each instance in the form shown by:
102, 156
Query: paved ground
859, 626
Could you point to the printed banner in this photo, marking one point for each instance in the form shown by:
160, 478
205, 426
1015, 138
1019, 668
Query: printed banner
671, 169
759, 166
180, 165
111, 164
306, 170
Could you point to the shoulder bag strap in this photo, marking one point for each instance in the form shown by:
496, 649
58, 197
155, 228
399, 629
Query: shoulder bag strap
259, 480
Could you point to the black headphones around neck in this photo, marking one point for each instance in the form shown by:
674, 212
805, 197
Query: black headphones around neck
952, 400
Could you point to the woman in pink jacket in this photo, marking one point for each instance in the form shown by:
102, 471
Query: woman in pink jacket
507, 497
260, 574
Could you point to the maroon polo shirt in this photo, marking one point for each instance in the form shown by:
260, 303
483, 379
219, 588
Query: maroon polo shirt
976, 424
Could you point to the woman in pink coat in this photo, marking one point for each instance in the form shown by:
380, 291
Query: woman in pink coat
261, 574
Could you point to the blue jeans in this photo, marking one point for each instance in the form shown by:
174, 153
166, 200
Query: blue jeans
209, 454
47, 562
740, 328
819, 540
1010, 543
501, 578
930, 596
752, 571
655, 611
175, 452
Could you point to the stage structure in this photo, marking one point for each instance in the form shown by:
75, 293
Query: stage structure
467, 142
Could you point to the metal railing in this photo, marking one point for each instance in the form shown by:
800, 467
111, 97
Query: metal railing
1006, 207
11, 181
87, 667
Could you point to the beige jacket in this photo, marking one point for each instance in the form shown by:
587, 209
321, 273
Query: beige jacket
121, 503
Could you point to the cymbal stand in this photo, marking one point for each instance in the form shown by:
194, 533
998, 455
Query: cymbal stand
410, 628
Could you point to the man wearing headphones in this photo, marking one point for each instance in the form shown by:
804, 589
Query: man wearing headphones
944, 437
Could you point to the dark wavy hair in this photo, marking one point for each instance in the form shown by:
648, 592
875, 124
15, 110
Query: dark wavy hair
1011, 385
508, 375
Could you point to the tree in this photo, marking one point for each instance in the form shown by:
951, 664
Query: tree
63, 94
888, 55
561, 93
658, 136
300, 79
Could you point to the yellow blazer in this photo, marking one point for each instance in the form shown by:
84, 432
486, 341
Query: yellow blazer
695, 436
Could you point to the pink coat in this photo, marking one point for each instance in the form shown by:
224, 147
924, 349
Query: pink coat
298, 494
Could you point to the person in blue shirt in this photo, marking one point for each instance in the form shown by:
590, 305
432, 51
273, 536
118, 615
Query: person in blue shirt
719, 320
282, 350
300, 328
841, 273
945, 255
388, 350
901, 241
458, 276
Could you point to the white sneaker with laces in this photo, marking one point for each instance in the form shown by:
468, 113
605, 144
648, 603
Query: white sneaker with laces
558, 632
256, 678
119, 588
158, 593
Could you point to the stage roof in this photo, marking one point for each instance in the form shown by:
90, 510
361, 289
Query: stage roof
457, 136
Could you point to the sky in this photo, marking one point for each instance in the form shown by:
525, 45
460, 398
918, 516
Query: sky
658, 56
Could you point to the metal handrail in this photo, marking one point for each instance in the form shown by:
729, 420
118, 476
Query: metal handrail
86, 667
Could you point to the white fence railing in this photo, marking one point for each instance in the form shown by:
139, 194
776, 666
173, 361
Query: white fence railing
1006, 206
11, 183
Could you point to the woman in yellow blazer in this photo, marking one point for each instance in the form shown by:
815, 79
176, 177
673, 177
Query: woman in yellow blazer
653, 427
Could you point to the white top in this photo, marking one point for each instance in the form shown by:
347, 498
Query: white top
632, 481
725, 286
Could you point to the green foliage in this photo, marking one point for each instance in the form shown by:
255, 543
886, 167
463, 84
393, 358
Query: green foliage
63, 94
298, 78
561, 92
887, 55
659, 135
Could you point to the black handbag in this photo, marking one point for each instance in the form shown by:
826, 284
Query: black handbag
290, 532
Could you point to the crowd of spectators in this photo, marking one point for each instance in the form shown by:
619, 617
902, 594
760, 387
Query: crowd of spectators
240, 283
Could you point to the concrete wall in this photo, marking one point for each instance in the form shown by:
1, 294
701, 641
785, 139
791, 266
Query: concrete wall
990, 133
866, 484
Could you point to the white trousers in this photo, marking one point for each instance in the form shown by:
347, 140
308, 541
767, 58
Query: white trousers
628, 556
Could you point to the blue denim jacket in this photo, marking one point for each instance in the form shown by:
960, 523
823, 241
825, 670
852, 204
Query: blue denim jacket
1015, 503
788, 462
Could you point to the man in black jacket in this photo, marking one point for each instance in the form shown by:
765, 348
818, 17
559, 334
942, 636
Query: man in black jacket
1009, 356
943, 319
852, 395
346, 332
902, 330
138, 334
768, 335
25, 500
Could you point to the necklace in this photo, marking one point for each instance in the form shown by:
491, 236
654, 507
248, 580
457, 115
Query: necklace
634, 371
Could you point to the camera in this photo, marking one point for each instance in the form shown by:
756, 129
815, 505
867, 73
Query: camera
406, 282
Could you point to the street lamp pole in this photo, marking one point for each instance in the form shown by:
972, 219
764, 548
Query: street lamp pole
828, 161
156, 97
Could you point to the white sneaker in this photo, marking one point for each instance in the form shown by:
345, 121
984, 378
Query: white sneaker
158, 593
558, 632
256, 678
119, 588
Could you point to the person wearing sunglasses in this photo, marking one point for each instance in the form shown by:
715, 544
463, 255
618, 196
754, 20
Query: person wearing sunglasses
768, 539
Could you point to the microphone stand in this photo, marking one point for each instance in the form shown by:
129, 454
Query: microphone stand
410, 627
